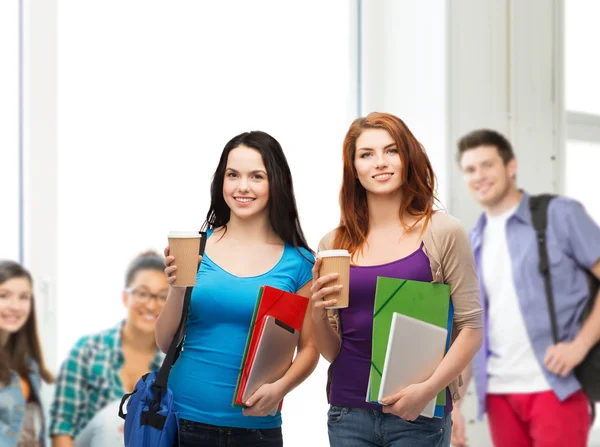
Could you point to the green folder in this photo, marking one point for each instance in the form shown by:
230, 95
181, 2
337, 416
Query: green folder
425, 301
237, 385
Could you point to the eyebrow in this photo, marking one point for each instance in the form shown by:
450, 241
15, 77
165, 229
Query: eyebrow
370, 149
142, 286
251, 172
11, 292
479, 163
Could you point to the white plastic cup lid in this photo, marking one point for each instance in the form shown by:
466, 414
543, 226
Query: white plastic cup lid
333, 253
183, 234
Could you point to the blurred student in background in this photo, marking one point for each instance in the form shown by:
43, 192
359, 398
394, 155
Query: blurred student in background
524, 381
102, 367
254, 238
22, 366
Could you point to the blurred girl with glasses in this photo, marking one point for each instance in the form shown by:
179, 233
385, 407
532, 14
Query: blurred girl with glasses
22, 366
102, 367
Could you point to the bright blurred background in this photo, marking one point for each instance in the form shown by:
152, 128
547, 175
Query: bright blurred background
113, 115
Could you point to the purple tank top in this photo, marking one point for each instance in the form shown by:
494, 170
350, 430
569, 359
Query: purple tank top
350, 370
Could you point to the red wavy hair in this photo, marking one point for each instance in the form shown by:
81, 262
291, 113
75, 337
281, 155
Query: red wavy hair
418, 181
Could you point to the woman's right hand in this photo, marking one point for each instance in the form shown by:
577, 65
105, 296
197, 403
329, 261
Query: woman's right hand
170, 267
319, 292
459, 436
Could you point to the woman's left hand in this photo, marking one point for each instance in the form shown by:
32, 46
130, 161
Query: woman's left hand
408, 403
265, 400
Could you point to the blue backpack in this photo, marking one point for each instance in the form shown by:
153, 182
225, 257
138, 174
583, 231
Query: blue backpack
151, 419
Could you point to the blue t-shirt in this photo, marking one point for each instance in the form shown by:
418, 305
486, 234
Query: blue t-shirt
204, 377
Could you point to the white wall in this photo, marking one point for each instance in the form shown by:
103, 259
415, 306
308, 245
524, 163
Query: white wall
404, 71
39, 144
505, 74
478, 84
9, 129
40, 169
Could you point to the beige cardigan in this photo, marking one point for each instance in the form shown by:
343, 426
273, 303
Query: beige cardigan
448, 248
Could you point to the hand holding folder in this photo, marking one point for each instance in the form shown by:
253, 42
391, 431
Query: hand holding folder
274, 308
408, 363
428, 302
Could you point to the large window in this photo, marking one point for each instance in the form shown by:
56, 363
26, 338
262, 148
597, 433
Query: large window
582, 90
583, 164
582, 101
148, 95
10, 172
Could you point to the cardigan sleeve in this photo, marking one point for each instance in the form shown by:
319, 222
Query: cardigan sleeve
460, 272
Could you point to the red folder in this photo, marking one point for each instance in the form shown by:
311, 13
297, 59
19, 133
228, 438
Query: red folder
287, 307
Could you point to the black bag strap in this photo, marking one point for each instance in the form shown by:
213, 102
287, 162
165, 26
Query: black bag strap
125, 397
162, 376
160, 383
122, 414
539, 215
538, 205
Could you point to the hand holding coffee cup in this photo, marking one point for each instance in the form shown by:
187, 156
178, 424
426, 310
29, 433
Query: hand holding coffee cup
320, 295
331, 277
170, 267
184, 247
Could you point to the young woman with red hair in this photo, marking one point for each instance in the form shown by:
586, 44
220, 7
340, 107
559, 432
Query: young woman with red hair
389, 226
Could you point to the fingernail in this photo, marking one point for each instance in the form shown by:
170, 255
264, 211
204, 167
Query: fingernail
248, 403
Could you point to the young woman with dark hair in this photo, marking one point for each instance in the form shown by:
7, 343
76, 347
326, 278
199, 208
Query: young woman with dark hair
390, 227
254, 239
101, 367
22, 366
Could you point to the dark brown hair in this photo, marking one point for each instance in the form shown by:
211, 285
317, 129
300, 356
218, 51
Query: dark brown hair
148, 260
418, 181
23, 346
283, 213
486, 137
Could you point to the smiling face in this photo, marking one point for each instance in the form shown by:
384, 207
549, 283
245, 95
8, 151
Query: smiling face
377, 162
145, 298
246, 185
16, 297
489, 179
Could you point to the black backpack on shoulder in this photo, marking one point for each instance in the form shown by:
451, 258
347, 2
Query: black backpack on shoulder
588, 372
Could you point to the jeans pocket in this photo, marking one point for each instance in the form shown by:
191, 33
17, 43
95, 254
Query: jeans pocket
425, 423
269, 434
183, 425
193, 438
336, 414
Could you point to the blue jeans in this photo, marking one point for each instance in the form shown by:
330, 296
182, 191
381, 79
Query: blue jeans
357, 427
193, 434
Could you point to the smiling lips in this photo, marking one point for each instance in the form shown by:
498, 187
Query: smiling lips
244, 200
384, 176
12, 319
482, 189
